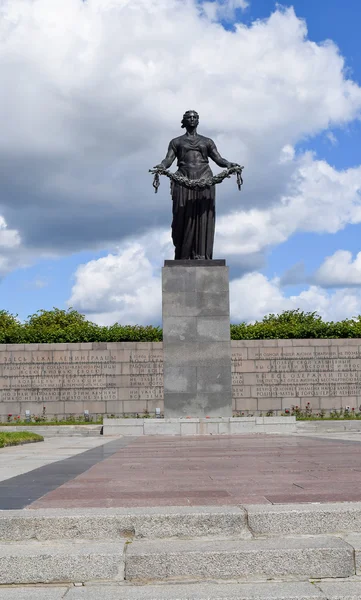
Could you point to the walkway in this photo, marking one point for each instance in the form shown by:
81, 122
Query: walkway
194, 471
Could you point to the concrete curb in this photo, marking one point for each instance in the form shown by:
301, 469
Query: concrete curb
57, 430
240, 522
200, 426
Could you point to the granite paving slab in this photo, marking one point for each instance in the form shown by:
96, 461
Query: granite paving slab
215, 470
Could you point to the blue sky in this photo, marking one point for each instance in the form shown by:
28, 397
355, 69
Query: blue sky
88, 107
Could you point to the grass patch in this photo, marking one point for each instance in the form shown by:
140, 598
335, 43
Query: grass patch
18, 437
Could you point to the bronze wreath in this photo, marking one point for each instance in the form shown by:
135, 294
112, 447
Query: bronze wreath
197, 183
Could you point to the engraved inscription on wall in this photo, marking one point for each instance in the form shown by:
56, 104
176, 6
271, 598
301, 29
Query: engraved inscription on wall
129, 378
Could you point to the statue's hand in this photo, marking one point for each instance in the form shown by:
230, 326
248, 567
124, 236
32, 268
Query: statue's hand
233, 165
160, 166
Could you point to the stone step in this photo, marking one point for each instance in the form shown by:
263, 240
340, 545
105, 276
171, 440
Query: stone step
300, 590
181, 522
304, 519
34, 562
301, 557
111, 524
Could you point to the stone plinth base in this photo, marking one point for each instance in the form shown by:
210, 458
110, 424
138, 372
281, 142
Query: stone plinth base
194, 426
196, 339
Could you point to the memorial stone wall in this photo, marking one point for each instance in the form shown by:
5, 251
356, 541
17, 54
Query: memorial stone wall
127, 378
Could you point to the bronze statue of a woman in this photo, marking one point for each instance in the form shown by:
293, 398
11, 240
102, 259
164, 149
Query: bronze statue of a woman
193, 189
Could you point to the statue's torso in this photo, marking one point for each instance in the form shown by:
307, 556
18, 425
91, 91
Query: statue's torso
192, 155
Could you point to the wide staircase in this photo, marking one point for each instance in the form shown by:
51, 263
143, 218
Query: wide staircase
264, 552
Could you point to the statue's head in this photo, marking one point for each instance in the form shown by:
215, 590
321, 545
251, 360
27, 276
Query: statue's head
190, 118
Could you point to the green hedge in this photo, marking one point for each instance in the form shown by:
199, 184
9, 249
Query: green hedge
47, 326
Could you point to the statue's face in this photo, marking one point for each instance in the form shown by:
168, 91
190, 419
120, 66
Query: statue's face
192, 119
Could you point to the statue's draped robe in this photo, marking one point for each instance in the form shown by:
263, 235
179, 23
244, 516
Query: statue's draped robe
193, 209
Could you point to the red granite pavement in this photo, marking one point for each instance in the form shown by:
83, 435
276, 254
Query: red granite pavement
216, 470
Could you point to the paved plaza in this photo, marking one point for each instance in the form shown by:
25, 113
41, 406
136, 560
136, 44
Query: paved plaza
188, 471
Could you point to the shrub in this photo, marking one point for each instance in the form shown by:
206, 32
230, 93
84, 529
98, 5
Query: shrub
57, 325
296, 324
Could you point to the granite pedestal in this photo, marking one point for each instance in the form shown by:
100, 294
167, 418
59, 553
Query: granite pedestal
196, 339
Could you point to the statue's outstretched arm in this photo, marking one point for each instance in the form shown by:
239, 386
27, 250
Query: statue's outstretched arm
169, 159
218, 159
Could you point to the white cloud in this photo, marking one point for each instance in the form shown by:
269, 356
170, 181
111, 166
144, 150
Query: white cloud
320, 199
223, 9
9, 238
124, 286
339, 270
332, 138
95, 90
253, 296
11, 253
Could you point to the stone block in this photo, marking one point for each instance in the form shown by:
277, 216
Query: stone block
175, 281
213, 280
330, 402
208, 427
251, 378
114, 407
265, 404
302, 519
134, 406
179, 329
241, 391
238, 353
236, 344
95, 407
319, 342
355, 542
244, 366
116, 523
189, 428
73, 407
99, 346
155, 403
15, 347
272, 352
212, 304
270, 343
215, 379
237, 427
315, 557
180, 379
36, 563
180, 304
213, 329
124, 429
161, 427
193, 405
128, 394
198, 355
246, 404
